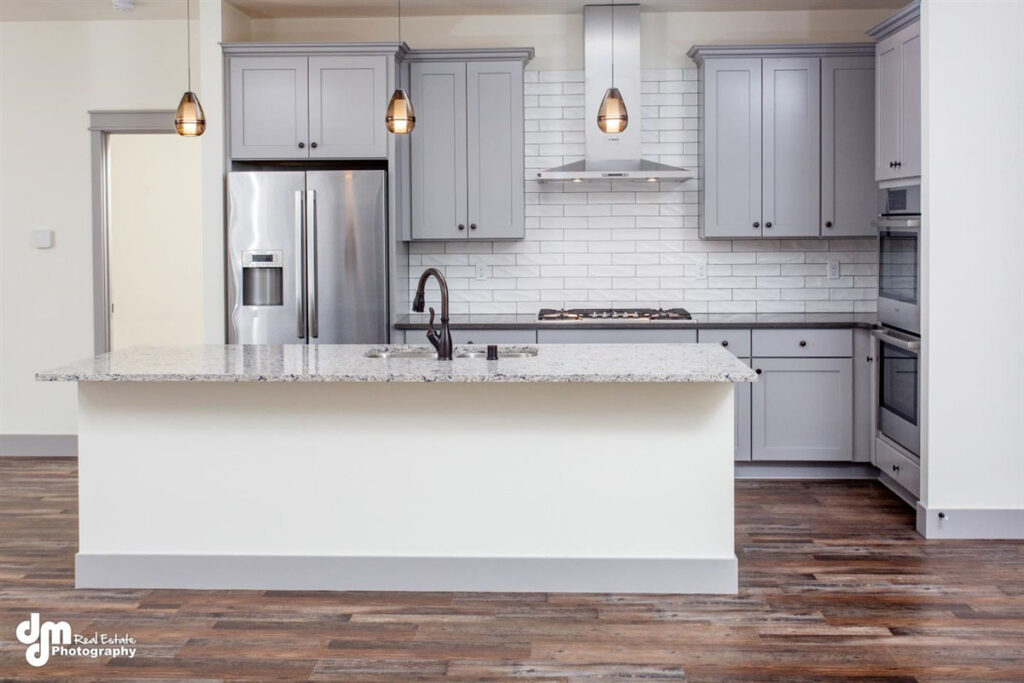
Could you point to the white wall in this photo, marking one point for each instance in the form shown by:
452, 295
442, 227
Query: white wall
155, 240
51, 75
973, 108
558, 39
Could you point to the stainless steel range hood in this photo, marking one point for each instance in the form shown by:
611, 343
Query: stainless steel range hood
612, 156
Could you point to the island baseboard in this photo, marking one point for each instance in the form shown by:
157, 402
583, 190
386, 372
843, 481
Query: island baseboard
488, 574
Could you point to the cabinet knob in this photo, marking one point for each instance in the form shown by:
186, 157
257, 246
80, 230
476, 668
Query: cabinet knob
757, 224
892, 164
768, 224
758, 371
803, 343
725, 342
895, 468
870, 359
313, 145
828, 224
472, 226
302, 145
898, 164
461, 226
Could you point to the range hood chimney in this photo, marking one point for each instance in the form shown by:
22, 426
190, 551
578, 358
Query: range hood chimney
612, 156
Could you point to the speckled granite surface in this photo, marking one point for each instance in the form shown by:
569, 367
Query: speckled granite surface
349, 363
415, 321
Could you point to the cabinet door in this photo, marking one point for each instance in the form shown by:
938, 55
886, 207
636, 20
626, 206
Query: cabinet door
849, 195
348, 100
495, 147
741, 436
791, 121
438, 92
887, 107
910, 103
802, 409
732, 148
269, 108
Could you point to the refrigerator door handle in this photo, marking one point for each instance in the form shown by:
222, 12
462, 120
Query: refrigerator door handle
311, 264
300, 250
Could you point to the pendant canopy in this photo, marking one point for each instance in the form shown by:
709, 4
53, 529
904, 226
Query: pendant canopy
190, 120
401, 117
612, 116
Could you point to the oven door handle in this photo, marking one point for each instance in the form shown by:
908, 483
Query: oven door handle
905, 344
890, 223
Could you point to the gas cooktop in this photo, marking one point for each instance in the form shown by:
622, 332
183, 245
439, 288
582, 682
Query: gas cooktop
613, 314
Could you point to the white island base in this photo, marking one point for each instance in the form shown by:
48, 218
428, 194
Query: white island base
419, 486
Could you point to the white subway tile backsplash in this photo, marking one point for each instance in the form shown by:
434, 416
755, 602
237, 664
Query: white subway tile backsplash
600, 244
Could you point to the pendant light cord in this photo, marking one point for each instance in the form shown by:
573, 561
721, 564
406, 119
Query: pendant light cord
188, 41
399, 22
613, 43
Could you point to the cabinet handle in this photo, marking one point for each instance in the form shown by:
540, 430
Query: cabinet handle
803, 343
892, 164
895, 468
870, 359
461, 226
898, 164
828, 224
302, 145
758, 371
768, 224
472, 226
313, 145
725, 342
757, 224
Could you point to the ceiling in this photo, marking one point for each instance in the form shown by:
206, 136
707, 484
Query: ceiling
70, 10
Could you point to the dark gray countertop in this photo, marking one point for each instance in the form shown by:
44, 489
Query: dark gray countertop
700, 321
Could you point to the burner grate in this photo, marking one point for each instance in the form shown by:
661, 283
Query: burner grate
614, 314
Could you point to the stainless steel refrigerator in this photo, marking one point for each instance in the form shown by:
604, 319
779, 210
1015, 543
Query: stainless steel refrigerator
307, 253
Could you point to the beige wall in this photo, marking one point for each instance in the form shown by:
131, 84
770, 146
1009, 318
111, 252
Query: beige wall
558, 39
155, 240
51, 75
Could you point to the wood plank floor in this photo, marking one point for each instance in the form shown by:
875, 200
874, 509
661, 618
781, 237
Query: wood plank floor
835, 586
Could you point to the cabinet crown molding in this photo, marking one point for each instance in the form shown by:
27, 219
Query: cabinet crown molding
698, 53
306, 49
906, 16
523, 54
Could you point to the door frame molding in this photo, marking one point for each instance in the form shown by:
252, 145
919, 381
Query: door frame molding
101, 125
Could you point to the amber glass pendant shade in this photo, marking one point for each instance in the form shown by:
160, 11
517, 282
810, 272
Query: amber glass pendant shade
612, 116
190, 120
401, 117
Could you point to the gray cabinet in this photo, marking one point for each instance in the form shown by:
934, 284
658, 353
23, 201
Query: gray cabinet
269, 107
898, 104
320, 107
791, 146
738, 342
863, 400
849, 195
802, 409
732, 148
467, 151
348, 99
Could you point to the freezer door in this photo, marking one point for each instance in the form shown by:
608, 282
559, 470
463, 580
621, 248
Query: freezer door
265, 258
347, 229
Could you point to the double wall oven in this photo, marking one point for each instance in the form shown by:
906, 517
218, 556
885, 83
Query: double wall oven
899, 313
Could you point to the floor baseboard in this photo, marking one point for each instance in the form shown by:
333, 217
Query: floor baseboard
39, 445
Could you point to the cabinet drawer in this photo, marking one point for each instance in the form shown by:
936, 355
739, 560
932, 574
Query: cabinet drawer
803, 343
478, 337
899, 467
736, 341
578, 336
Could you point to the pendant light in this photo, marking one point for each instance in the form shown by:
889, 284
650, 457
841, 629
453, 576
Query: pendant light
189, 120
401, 117
612, 116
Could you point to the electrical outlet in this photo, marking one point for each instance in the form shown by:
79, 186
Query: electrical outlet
833, 270
481, 271
701, 271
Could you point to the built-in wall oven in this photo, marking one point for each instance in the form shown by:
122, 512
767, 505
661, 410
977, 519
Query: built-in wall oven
899, 260
899, 388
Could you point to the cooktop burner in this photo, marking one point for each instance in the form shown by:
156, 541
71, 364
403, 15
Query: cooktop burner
614, 314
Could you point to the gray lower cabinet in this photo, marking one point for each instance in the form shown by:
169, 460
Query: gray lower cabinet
738, 342
863, 401
802, 409
605, 336
467, 151
478, 337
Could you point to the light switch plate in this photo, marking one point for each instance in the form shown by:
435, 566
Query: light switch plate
833, 270
42, 238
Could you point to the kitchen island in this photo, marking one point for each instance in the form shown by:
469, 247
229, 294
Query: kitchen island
595, 468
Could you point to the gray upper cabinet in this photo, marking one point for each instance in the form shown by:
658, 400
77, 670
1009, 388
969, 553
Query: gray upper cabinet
438, 155
802, 409
791, 146
269, 107
898, 97
467, 151
315, 107
495, 149
732, 148
784, 128
348, 100
849, 196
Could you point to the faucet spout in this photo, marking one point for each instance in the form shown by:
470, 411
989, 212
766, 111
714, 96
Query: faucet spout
441, 341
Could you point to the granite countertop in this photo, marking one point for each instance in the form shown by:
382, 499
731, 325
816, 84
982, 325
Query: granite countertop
349, 363
415, 321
